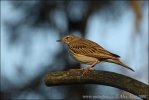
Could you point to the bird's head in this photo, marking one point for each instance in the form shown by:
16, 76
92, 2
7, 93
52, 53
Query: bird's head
68, 39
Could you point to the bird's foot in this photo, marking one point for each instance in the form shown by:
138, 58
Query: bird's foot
86, 70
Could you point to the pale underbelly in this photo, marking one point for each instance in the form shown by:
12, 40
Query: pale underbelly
84, 59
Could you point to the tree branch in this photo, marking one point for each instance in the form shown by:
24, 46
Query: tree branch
119, 81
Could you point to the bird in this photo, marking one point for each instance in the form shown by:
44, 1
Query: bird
88, 52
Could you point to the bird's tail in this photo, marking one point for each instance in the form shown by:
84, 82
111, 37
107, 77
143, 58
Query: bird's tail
116, 61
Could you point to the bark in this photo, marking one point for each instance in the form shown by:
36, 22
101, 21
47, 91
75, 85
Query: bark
116, 80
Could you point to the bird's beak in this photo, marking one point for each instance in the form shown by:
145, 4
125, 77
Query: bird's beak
60, 40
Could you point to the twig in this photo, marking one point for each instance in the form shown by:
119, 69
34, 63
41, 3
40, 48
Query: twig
98, 77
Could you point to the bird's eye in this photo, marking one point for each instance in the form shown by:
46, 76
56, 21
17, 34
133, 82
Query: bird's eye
67, 37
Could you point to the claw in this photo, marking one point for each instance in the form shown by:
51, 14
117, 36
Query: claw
85, 71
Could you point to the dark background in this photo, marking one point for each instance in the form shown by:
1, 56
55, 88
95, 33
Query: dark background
29, 30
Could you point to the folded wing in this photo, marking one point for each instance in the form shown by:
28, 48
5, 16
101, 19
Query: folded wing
91, 49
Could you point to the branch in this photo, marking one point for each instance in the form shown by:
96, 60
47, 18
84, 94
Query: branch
119, 81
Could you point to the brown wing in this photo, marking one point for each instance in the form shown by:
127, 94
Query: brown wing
102, 49
89, 48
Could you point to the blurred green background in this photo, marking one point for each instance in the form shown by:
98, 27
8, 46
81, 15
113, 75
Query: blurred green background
29, 30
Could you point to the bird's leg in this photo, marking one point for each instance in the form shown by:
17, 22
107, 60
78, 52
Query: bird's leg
88, 68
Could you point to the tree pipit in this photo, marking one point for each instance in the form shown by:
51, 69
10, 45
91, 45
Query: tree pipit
89, 52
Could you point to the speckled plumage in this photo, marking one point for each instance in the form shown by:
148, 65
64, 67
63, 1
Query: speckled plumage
89, 52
